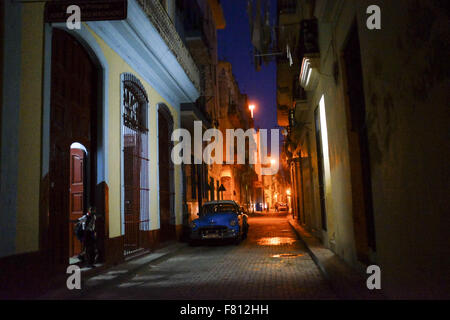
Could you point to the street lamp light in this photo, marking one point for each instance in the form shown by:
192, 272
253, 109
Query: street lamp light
251, 107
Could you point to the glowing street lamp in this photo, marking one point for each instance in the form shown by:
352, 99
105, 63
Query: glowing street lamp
288, 192
251, 107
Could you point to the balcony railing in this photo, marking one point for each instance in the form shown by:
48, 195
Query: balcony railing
159, 18
287, 6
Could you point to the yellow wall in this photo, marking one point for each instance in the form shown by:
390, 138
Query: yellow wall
407, 124
30, 134
117, 66
29, 161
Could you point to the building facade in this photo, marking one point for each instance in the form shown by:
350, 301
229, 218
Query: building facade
198, 22
366, 167
87, 116
234, 113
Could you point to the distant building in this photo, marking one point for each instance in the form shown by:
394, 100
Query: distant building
234, 114
198, 22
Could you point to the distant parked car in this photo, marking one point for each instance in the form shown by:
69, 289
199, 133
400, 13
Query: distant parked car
222, 219
259, 206
281, 207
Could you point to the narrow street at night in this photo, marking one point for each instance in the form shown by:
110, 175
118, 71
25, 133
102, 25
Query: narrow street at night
270, 264
202, 151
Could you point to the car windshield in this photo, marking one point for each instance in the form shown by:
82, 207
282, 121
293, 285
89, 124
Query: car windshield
217, 208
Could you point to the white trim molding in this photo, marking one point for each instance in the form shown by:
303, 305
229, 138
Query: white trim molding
140, 44
309, 72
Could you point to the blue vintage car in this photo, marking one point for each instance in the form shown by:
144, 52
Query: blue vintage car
220, 219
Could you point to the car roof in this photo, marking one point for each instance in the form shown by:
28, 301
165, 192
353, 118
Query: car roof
221, 202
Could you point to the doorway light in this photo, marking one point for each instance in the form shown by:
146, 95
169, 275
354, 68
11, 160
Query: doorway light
324, 133
77, 145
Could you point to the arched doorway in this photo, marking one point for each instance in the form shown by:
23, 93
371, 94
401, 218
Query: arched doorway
78, 192
73, 118
166, 182
135, 158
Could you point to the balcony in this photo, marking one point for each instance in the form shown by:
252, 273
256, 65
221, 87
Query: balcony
191, 112
287, 6
310, 55
191, 26
161, 21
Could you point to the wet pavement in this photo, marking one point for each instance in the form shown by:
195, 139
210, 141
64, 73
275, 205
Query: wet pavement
270, 264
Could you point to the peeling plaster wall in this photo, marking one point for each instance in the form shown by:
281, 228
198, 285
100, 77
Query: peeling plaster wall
406, 86
405, 70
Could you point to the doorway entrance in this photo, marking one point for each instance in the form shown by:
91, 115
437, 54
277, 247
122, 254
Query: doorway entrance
363, 221
166, 184
135, 156
77, 193
320, 168
73, 118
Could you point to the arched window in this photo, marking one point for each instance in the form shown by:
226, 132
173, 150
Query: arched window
166, 175
135, 102
135, 162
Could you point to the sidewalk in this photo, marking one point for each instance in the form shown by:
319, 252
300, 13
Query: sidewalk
101, 277
345, 281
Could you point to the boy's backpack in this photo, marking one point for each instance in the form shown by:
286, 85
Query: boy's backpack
78, 230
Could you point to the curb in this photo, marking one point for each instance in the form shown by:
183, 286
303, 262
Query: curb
346, 282
107, 276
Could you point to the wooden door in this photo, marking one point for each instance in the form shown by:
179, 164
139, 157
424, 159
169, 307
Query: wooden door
73, 118
165, 176
132, 170
363, 219
76, 198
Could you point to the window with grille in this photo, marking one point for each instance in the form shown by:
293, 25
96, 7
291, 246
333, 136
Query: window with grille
135, 162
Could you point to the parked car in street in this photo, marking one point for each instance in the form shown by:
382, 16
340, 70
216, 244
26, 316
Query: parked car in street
222, 219
259, 206
281, 207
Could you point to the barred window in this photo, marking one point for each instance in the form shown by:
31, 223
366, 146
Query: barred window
135, 157
135, 104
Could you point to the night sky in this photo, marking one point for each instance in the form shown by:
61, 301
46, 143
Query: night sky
235, 47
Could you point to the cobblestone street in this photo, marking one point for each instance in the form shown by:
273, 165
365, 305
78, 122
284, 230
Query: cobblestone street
270, 264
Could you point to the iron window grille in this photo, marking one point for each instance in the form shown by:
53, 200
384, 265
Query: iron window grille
135, 102
135, 162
